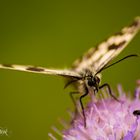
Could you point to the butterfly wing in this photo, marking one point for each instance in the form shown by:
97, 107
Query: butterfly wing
96, 58
41, 70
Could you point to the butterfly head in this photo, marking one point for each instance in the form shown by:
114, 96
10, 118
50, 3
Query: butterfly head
91, 80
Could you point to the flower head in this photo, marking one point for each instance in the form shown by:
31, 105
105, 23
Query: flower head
107, 119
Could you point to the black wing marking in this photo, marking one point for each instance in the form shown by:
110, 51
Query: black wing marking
98, 57
41, 70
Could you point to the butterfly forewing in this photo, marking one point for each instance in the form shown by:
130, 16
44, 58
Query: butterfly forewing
41, 70
96, 58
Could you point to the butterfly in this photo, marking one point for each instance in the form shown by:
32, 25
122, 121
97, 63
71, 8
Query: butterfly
85, 72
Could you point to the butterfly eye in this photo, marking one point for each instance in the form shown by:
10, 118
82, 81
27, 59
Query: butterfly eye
91, 82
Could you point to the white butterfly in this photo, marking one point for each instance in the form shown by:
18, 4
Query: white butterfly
85, 70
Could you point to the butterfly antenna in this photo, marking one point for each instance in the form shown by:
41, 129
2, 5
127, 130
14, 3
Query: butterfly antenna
106, 67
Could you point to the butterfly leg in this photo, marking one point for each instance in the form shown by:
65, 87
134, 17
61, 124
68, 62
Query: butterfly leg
72, 97
74, 102
82, 106
109, 90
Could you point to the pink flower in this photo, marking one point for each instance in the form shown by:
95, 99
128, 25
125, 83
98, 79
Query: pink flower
107, 119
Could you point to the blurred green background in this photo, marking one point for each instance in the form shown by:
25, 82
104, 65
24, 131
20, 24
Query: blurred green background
53, 34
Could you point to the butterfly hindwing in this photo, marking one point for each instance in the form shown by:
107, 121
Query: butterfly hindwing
96, 58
